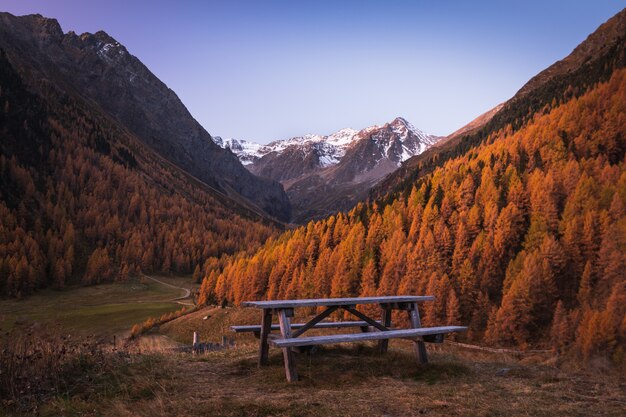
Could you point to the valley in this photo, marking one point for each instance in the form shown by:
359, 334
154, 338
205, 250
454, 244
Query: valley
126, 227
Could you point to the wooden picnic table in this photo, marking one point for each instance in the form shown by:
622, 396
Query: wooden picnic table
290, 333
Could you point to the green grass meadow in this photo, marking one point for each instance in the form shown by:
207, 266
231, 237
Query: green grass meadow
101, 310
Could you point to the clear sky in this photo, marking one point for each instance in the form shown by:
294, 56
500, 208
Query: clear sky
266, 70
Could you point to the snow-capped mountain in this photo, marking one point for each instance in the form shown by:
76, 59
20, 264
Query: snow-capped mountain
330, 148
397, 141
323, 174
247, 152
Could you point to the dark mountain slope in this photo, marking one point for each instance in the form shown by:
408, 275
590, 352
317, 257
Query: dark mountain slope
100, 70
83, 200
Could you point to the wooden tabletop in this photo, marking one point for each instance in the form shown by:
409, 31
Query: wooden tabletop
315, 302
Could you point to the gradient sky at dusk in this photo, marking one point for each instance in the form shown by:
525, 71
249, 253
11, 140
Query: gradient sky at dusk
267, 70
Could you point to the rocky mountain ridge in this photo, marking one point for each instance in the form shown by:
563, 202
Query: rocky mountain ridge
323, 174
330, 148
99, 69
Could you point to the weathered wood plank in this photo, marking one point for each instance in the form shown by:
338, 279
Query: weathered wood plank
288, 357
266, 324
359, 337
316, 302
383, 345
321, 325
315, 320
419, 346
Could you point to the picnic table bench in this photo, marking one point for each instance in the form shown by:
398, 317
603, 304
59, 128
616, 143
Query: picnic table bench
381, 330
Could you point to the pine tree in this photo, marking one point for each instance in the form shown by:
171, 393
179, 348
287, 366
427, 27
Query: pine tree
453, 316
561, 332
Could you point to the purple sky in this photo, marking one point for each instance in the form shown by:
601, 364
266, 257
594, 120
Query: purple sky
267, 70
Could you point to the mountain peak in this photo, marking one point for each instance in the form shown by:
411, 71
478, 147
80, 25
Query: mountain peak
44, 26
125, 89
105, 46
399, 121
402, 127
330, 149
102, 36
49, 24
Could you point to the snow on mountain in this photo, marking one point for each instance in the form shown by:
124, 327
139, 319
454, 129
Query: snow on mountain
330, 149
400, 140
247, 152
342, 166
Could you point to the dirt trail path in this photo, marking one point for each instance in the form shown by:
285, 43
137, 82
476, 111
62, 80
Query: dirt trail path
185, 296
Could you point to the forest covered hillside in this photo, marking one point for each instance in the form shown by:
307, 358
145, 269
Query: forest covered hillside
593, 61
99, 70
523, 237
83, 200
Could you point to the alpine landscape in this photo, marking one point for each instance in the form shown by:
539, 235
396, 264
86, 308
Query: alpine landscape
138, 232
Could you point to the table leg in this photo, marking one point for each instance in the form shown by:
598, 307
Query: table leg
266, 328
419, 346
383, 344
288, 356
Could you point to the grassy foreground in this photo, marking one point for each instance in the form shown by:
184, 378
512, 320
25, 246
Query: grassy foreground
348, 380
344, 382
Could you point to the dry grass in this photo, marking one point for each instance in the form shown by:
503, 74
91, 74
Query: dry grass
352, 380
217, 323
36, 365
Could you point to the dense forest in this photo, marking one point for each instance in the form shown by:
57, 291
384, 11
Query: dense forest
522, 238
82, 201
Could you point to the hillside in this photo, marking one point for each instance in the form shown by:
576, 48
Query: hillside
593, 61
521, 237
99, 70
84, 200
